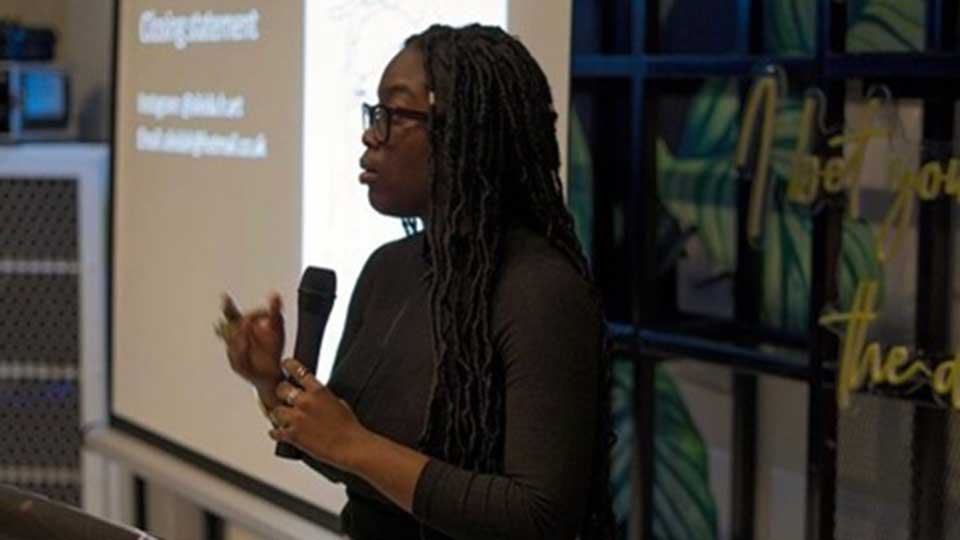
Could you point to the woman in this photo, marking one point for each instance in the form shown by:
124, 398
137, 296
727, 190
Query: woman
469, 395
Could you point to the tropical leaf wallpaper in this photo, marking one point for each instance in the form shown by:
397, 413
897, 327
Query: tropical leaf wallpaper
697, 185
885, 25
684, 507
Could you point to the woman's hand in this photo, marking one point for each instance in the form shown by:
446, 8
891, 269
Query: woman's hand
314, 420
254, 342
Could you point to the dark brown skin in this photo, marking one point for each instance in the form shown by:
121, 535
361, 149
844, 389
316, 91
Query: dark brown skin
255, 343
397, 173
309, 415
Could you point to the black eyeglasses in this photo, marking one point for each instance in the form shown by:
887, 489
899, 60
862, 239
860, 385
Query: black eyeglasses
380, 119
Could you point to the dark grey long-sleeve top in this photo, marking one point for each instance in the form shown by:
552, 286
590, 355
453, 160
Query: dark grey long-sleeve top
547, 333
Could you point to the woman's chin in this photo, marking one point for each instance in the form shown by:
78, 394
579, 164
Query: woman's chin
380, 204
391, 206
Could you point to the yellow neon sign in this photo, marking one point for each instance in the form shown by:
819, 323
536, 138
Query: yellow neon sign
765, 90
839, 173
927, 184
860, 363
809, 174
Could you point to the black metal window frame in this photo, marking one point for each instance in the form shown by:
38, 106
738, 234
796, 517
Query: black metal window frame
644, 72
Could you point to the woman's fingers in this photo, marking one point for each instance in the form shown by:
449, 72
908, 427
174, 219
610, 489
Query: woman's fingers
311, 416
233, 321
288, 393
259, 322
268, 332
281, 435
233, 315
229, 309
257, 315
283, 417
230, 320
254, 340
274, 305
275, 312
237, 350
301, 375
236, 339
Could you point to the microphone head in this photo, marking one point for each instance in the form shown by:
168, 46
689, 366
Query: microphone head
318, 281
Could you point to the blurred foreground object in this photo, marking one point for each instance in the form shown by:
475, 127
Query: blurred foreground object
27, 516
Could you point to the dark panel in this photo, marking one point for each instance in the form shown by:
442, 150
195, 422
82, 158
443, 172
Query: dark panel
39, 319
38, 219
694, 26
39, 424
602, 107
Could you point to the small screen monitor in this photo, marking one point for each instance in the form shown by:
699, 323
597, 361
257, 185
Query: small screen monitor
44, 94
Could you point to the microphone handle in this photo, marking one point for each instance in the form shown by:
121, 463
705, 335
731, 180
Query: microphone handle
310, 327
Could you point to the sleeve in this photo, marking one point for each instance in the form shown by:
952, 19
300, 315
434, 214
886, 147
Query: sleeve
550, 342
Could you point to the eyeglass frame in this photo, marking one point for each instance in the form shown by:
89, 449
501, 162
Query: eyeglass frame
369, 118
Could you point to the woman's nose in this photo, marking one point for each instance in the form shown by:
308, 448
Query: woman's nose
369, 139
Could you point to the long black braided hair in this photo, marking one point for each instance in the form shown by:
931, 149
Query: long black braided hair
494, 161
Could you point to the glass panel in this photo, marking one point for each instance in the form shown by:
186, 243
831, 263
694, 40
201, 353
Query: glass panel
580, 175
600, 27
790, 27
696, 134
874, 468
885, 25
872, 248
621, 458
695, 26
951, 508
597, 184
587, 37
692, 449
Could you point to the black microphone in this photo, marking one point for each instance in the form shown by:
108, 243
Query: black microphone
315, 297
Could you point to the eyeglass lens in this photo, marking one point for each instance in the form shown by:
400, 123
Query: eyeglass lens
377, 118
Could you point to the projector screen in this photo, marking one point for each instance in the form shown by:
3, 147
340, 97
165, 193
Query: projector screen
236, 147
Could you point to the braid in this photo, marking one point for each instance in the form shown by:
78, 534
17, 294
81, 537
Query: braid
495, 161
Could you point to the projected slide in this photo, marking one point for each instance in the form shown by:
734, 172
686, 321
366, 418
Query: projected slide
200, 98
236, 155
181, 31
207, 195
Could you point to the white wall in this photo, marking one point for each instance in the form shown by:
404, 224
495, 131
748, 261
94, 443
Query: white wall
87, 53
527, 19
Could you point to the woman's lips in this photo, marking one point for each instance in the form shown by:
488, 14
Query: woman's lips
367, 176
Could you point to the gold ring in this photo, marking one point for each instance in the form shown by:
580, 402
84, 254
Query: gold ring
292, 397
301, 372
